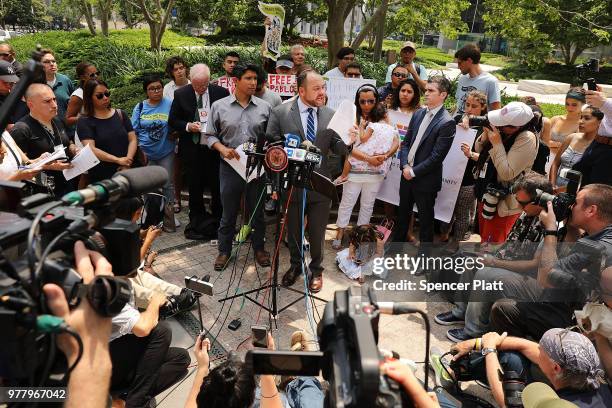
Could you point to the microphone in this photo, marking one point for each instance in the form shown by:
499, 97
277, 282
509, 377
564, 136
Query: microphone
127, 183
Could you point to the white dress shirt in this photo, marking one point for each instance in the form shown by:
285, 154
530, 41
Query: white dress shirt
205, 104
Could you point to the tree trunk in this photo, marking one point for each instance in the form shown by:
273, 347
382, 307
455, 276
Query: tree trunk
380, 30
367, 28
338, 11
88, 14
104, 10
575, 55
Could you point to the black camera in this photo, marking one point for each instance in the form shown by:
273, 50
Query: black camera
585, 70
562, 202
582, 268
493, 193
513, 385
479, 121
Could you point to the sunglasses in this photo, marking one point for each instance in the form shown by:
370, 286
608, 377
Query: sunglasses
94, 74
524, 203
367, 101
103, 94
398, 75
4, 54
353, 75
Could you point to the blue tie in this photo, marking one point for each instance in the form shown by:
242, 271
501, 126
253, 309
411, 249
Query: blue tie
310, 126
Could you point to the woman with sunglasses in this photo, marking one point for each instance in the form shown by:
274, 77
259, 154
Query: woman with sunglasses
107, 131
62, 85
399, 73
84, 72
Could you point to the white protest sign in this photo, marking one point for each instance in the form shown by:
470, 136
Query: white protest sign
389, 190
339, 89
452, 174
343, 120
283, 85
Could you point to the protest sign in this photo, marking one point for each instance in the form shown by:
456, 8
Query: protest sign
227, 83
283, 85
273, 25
389, 190
339, 89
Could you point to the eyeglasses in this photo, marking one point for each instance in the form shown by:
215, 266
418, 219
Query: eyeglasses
52, 62
398, 75
94, 75
103, 94
367, 101
353, 75
155, 89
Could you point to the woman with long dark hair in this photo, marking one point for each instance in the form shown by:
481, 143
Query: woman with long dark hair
406, 97
84, 72
107, 131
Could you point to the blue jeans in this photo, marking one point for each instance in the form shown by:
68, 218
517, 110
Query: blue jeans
305, 392
168, 164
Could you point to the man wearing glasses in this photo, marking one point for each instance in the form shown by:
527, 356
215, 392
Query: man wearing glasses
7, 53
353, 70
400, 72
415, 71
345, 56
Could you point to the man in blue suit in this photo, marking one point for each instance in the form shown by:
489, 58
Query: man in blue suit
425, 146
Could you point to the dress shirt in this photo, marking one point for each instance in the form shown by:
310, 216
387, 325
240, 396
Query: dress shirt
205, 104
304, 116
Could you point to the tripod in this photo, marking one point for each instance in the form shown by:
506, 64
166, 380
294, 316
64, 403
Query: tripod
274, 286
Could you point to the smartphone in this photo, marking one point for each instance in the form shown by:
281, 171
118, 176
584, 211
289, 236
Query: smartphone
259, 336
198, 285
285, 362
160, 225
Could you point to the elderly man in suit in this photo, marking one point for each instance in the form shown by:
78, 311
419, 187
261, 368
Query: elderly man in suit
189, 116
428, 140
308, 117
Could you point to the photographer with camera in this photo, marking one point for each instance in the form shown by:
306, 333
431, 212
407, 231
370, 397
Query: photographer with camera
564, 281
507, 149
515, 264
90, 380
595, 162
567, 359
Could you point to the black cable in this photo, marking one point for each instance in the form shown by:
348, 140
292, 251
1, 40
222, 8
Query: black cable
30, 252
50, 359
79, 355
48, 250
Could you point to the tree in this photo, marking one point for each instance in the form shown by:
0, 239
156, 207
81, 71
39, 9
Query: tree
338, 11
535, 27
27, 13
156, 17
297, 11
104, 9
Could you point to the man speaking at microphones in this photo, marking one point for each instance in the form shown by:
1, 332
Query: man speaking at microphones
308, 117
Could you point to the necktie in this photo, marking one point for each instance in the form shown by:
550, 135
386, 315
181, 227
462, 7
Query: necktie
310, 126
196, 137
417, 140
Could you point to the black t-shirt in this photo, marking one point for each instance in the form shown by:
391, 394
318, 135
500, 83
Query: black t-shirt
21, 109
110, 135
599, 398
34, 139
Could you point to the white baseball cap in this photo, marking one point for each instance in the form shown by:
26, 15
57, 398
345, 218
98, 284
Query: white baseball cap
513, 114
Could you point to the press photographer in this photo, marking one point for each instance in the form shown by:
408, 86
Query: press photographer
507, 148
566, 280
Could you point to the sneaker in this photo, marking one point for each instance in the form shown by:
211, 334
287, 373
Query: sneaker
438, 365
447, 319
457, 335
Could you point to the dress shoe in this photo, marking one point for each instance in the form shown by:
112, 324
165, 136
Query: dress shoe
316, 283
221, 262
291, 276
262, 258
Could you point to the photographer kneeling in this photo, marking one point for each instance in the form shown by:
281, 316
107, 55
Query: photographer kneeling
567, 359
507, 148
564, 282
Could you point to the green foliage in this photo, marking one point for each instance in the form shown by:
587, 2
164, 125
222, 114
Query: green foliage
553, 72
415, 16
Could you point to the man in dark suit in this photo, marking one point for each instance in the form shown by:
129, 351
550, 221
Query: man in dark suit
188, 116
428, 140
307, 117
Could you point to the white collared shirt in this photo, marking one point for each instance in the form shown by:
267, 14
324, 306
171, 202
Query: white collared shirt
205, 104
304, 115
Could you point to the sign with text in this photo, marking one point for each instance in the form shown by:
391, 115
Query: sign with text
339, 89
283, 85
275, 20
227, 83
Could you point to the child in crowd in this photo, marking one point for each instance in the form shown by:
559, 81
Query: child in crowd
364, 177
365, 244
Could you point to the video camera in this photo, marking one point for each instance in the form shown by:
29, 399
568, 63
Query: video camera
350, 359
54, 226
584, 71
562, 202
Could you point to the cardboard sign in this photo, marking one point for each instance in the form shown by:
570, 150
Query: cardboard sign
274, 23
339, 89
283, 85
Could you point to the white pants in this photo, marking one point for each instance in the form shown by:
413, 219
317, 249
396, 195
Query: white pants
145, 285
350, 194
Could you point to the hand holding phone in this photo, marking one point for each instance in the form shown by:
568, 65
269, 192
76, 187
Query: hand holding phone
259, 335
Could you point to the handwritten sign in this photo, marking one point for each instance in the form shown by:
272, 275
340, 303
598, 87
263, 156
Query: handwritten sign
227, 83
339, 89
283, 85
275, 20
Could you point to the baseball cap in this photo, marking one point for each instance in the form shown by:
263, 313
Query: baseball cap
540, 395
284, 62
409, 44
513, 114
7, 72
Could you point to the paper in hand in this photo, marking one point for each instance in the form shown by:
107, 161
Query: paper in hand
343, 120
83, 161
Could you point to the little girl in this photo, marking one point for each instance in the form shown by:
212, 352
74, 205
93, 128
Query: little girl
364, 178
356, 261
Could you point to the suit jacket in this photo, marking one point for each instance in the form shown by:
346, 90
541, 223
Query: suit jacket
185, 105
285, 118
432, 149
